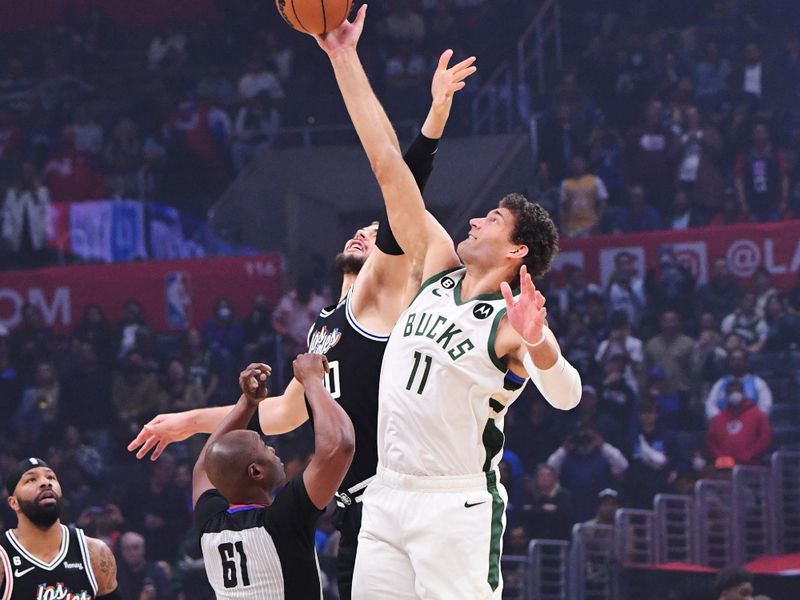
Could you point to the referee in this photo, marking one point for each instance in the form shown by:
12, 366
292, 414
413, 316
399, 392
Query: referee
255, 546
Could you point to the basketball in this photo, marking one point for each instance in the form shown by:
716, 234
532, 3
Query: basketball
314, 16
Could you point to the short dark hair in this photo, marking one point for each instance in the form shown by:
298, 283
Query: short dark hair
731, 577
535, 229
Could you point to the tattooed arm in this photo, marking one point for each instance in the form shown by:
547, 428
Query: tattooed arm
104, 566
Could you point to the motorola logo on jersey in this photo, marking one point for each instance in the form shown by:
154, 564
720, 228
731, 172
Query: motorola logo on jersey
448, 283
482, 311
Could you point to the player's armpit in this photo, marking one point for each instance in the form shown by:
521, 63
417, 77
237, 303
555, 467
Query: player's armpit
104, 566
441, 253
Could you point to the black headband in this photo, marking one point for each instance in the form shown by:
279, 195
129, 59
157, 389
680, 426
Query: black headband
20, 469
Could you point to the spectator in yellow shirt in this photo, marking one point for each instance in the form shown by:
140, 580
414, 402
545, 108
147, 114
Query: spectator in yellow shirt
582, 202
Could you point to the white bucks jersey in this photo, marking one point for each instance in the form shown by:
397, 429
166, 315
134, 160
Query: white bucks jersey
444, 392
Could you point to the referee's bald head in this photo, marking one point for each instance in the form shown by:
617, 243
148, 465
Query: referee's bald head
239, 464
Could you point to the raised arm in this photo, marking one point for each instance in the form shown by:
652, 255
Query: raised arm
276, 415
334, 436
387, 281
404, 204
254, 390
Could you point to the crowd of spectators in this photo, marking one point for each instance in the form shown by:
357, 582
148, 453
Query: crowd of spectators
673, 119
673, 392
91, 109
680, 382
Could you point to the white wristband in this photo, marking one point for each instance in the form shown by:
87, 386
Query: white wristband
535, 344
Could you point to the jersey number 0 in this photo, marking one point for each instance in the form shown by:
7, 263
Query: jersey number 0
331, 380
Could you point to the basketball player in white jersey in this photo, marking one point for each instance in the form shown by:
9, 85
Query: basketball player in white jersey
458, 356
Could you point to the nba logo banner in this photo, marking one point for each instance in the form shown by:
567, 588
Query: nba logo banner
178, 299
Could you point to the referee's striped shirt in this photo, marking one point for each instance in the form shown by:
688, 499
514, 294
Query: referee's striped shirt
265, 552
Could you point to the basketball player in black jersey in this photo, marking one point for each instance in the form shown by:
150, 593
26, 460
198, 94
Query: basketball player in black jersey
255, 546
42, 559
377, 285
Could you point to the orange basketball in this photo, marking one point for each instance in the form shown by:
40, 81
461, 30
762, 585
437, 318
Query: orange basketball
314, 16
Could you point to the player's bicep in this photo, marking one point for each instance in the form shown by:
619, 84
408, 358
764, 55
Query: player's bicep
104, 566
283, 413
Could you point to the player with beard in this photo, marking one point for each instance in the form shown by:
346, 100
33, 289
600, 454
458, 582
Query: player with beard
377, 285
43, 559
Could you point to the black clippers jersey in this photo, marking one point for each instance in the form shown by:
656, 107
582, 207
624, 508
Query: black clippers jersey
354, 357
68, 577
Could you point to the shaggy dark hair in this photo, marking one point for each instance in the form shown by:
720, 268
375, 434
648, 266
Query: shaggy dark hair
536, 230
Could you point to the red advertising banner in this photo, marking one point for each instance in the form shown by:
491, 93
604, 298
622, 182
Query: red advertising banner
175, 294
746, 248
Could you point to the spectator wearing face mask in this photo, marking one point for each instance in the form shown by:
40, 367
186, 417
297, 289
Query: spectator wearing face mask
741, 431
755, 388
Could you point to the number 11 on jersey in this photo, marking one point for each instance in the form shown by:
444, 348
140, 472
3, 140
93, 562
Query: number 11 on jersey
418, 357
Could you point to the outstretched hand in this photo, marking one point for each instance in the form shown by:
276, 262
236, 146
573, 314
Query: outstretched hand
345, 36
448, 80
526, 313
159, 433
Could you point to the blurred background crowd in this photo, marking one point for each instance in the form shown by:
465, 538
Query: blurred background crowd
668, 115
